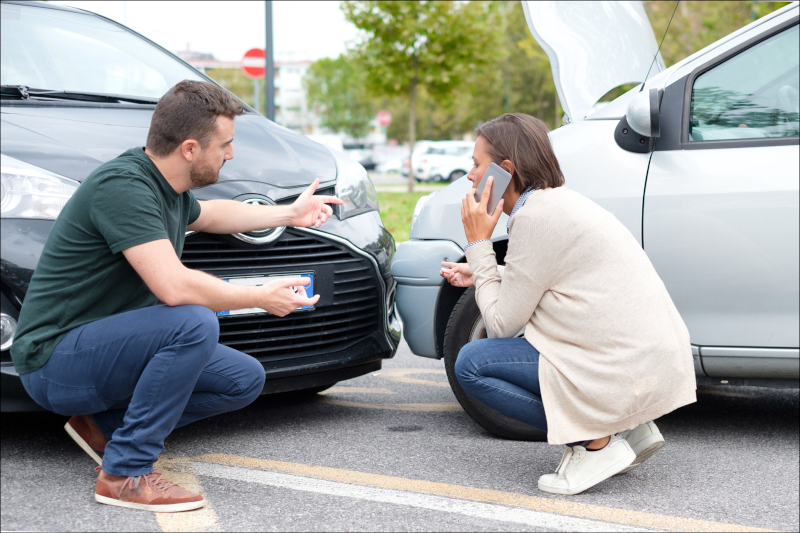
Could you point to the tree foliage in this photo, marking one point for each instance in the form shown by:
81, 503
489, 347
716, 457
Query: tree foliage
336, 88
413, 45
698, 24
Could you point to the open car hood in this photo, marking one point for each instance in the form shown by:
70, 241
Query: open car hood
593, 47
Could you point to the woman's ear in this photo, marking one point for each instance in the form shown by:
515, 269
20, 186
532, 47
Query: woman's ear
508, 166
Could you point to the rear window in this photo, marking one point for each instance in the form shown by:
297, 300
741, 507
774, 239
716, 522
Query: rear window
46, 48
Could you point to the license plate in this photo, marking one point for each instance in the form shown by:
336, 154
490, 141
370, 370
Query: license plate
258, 281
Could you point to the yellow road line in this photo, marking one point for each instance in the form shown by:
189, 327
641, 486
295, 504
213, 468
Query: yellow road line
416, 407
556, 506
178, 470
357, 390
401, 375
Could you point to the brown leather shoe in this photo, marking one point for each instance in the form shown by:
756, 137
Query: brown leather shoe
149, 493
85, 431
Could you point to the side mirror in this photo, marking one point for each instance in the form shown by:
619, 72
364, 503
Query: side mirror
642, 113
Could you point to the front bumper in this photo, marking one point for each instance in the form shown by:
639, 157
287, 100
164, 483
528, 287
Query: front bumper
415, 268
352, 328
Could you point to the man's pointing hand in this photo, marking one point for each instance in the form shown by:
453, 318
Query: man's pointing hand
312, 211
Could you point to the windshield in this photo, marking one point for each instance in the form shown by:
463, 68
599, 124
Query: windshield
61, 50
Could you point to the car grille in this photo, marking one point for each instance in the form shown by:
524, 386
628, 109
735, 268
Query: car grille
353, 312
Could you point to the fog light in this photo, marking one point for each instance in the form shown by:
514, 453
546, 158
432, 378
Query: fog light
8, 326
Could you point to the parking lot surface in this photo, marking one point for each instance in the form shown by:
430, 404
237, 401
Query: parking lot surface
393, 451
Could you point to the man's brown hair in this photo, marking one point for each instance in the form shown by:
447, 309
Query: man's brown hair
189, 111
523, 140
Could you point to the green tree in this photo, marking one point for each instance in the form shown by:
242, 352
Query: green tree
698, 24
427, 44
337, 89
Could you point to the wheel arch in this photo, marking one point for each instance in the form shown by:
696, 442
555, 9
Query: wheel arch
449, 295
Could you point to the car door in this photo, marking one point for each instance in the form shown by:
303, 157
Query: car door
720, 216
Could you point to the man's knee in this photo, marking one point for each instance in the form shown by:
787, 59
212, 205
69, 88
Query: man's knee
201, 322
256, 377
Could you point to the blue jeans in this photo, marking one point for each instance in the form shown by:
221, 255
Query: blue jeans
143, 373
503, 374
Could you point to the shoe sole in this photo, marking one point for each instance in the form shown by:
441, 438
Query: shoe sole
651, 444
163, 508
83, 444
612, 470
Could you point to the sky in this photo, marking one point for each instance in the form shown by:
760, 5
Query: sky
301, 30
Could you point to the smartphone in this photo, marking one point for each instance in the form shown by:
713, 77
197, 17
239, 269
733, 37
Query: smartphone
499, 186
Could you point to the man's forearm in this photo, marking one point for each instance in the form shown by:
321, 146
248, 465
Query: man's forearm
198, 288
230, 216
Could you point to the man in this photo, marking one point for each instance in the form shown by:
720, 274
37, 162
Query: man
93, 344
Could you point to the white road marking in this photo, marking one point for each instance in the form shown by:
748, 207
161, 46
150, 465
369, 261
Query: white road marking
488, 511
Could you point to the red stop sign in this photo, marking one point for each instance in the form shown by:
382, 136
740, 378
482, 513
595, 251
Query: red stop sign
384, 118
254, 63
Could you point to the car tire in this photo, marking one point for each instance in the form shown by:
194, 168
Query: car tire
456, 174
465, 325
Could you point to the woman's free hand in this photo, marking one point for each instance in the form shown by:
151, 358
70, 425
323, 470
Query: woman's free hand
312, 211
477, 224
457, 274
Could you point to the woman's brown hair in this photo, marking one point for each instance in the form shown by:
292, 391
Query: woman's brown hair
523, 140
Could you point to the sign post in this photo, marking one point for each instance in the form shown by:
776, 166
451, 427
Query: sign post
269, 83
254, 67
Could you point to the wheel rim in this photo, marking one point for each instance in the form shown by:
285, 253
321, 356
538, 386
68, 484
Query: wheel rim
478, 330
457, 174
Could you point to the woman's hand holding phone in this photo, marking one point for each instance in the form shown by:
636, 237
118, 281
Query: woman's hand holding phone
457, 274
477, 224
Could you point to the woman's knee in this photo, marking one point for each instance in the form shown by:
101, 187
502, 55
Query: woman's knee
465, 367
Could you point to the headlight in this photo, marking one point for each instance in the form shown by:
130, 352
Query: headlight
8, 327
417, 208
354, 187
27, 191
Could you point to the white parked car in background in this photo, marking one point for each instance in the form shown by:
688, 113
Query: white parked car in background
445, 161
701, 164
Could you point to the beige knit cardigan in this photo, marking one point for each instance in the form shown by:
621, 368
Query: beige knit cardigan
615, 353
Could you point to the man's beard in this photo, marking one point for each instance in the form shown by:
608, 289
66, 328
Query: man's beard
202, 174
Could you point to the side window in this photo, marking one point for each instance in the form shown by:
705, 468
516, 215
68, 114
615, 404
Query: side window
751, 95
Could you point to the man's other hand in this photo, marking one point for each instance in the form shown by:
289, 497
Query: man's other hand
457, 274
279, 296
309, 210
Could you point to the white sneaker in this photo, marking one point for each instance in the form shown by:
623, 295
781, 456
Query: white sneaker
580, 469
645, 440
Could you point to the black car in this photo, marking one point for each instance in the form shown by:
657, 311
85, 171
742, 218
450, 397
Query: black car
78, 90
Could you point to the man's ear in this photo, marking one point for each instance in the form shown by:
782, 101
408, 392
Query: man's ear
189, 149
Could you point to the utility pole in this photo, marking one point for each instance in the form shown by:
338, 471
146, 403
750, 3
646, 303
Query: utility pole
269, 78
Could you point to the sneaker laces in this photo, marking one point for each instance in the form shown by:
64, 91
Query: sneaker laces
157, 482
565, 460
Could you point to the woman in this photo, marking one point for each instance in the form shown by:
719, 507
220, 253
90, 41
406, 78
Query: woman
604, 350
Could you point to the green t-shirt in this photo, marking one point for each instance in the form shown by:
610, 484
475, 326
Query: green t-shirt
82, 275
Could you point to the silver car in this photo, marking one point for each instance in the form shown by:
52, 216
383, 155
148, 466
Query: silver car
701, 164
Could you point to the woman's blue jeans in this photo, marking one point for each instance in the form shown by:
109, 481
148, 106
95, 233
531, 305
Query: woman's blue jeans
503, 374
143, 373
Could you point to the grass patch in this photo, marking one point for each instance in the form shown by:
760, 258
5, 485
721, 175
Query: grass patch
397, 209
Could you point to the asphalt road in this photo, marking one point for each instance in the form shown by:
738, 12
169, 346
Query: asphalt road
393, 451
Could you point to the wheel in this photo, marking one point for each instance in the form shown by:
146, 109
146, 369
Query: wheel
454, 175
466, 325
